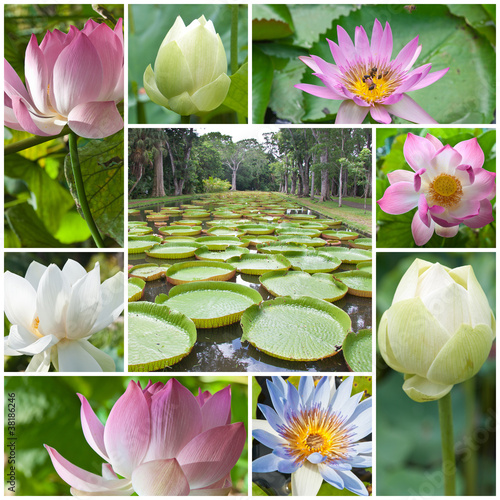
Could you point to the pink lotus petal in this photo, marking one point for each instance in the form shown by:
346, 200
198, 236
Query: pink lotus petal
203, 397
90, 26
211, 455
361, 41
219, 488
418, 152
434, 141
446, 220
471, 152
446, 160
323, 66
31, 123
423, 210
386, 45
217, 410
380, 114
430, 79
160, 478
127, 431
417, 179
483, 186
406, 55
36, 74
78, 75
400, 176
311, 62
409, 83
317, 91
399, 198
414, 58
446, 232
95, 120
349, 113
13, 84
465, 174
421, 233
92, 428
484, 217
119, 29
337, 54
175, 420
466, 209
345, 43
377, 34
81, 479
409, 110
392, 99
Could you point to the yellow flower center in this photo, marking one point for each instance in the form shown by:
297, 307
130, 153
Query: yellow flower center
445, 191
34, 327
372, 83
315, 430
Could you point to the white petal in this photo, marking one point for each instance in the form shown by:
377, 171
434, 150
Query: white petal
19, 301
73, 271
34, 273
40, 363
112, 302
306, 481
18, 338
73, 357
263, 425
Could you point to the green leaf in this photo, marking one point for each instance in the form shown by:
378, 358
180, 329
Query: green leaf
257, 491
330, 491
52, 200
477, 18
101, 162
271, 22
256, 390
28, 228
487, 141
237, 97
262, 81
73, 229
357, 350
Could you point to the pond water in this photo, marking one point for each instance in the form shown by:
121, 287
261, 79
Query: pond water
221, 349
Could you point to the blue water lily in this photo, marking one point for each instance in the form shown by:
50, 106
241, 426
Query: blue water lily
314, 433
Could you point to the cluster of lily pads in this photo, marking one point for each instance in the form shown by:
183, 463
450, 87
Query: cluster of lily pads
296, 255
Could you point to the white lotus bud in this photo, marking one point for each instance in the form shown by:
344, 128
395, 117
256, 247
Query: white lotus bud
189, 75
438, 330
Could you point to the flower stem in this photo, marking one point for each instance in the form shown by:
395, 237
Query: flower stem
470, 427
15, 147
80, 189
447, 444
234, 38
186, 119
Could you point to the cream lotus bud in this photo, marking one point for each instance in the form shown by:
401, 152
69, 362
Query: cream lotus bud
438, 330
189, 75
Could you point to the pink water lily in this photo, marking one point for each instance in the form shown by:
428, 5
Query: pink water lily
367, 80
159, 441
448, 184
73, 78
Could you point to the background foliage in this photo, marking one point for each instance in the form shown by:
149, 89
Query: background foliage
394, 231
48, 412
40, 203
148, 25
408, 433
109, 340
461, 37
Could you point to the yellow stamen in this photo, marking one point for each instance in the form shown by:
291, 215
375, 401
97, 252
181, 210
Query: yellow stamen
34, 327
313, 431
445, 191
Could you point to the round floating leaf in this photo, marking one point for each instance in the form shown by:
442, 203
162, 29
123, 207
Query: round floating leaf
299, 283
173, 250
187, 272
312, 261
259, 263
187, 222
224, 231
135, 289
279, 247
180, 230
220, 242
158, 337
352, 256
203, 253
303, 240
140, 246
339, 235
365, 266
211, 304
365, 243
300, 216
257, 228
297, 329
258, 240
357, 349
140, 231
147, 272
298, 231
358, 282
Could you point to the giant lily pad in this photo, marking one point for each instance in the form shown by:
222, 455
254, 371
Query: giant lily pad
158, 337
260, 263
297, 329
258, 240
180, 230
299, 283
365, 266
211, 304
135, 289
279, 247
311, 261
147, 272
365, 243
358, 282
224, 231
220, 242
256, 228
203, 253
187, 272
300, 216
357, 349
339, 235
303, 240
352, 256
142, 244
173, 250
298, 231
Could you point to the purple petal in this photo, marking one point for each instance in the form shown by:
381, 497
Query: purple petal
471, 152
350, 113
311, 62
271, 416
127, 431
267, 439
211, 455
484, 217
345, 43
317, 91
379, 113
418, 152
377, 34
361, 41
399, 198
430, 79
160, 478
331, 476
407, 53
353, 483
421, 233
337, 54
409, 110
95, 120
466, 209
92, 428
267, 463
288, 466
217, 410
417, 179
386, 44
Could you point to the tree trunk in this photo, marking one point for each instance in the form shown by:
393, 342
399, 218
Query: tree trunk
294, 183
286, 183
340, 186
312, 184
135, 183
158, 186
324, 185
233, 179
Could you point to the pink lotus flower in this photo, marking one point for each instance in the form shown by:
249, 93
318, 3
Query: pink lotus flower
366, 79
449, 187
74, 78
161, 440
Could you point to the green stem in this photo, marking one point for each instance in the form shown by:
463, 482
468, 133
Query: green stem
234, 38
470, 427
186, 120
32, 142
80, 189
447, 444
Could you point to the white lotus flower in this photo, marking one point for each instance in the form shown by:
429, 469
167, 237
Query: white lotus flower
53, 314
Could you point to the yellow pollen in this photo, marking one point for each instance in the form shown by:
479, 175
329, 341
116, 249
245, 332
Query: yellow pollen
313, 431
34, 327
445, 191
